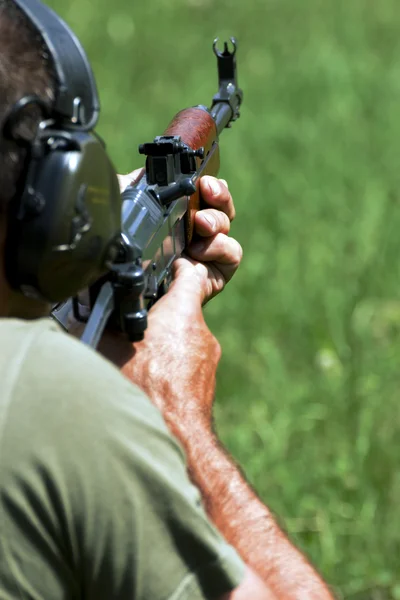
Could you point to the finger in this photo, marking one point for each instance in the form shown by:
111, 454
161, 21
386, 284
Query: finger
216, 194
130, 178
221, 249
211, 221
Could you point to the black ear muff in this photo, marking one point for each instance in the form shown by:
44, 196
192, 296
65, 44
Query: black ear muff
63, 227
64, 223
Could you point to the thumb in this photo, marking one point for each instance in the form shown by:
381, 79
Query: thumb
186, 289
182, 304
130, 178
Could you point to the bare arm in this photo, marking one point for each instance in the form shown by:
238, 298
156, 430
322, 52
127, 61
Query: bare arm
246, 523
244, 520
176, 366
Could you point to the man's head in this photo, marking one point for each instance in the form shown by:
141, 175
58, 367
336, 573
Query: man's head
60, 203
25, 68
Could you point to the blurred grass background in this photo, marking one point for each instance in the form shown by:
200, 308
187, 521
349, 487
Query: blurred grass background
308, 398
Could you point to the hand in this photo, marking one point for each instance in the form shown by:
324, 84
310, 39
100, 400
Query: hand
176, 363
130, 178
213, 255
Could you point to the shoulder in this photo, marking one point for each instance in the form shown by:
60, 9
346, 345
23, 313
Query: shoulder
54, 379
66, 406
88, 463
51, 360
52, 357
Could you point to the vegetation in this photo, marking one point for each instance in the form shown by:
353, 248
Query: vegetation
308, 398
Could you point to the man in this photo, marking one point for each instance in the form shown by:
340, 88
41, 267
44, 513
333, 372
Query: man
95, 498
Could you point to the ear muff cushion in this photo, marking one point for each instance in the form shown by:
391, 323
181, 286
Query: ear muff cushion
63, 247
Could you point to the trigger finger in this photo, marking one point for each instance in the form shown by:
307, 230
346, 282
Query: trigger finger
210, 221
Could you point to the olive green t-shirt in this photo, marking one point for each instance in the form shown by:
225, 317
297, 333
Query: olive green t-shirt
95, 502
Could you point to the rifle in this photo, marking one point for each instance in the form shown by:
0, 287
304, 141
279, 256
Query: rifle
158, 212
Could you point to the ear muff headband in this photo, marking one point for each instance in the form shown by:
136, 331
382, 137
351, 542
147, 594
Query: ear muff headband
75, 79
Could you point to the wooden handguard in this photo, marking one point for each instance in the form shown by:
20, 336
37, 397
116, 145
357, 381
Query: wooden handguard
197, 128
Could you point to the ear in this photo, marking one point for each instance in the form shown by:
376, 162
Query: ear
3, 230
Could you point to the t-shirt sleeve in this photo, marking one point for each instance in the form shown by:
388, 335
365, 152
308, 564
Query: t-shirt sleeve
101, 486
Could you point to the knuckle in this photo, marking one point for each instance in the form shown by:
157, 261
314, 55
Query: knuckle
213, 185
225, 195
216, 214
223, 222
227, 223
237, 253
221, 242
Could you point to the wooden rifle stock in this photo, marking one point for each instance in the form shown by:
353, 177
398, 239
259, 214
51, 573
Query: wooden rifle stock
197, 129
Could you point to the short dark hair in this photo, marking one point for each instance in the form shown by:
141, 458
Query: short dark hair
25, 68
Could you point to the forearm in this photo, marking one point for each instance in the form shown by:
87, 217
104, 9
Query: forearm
245, 521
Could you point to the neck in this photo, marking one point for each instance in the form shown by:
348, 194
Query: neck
20, 307
13, 304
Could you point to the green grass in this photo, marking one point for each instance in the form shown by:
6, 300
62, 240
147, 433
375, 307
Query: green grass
308, 398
